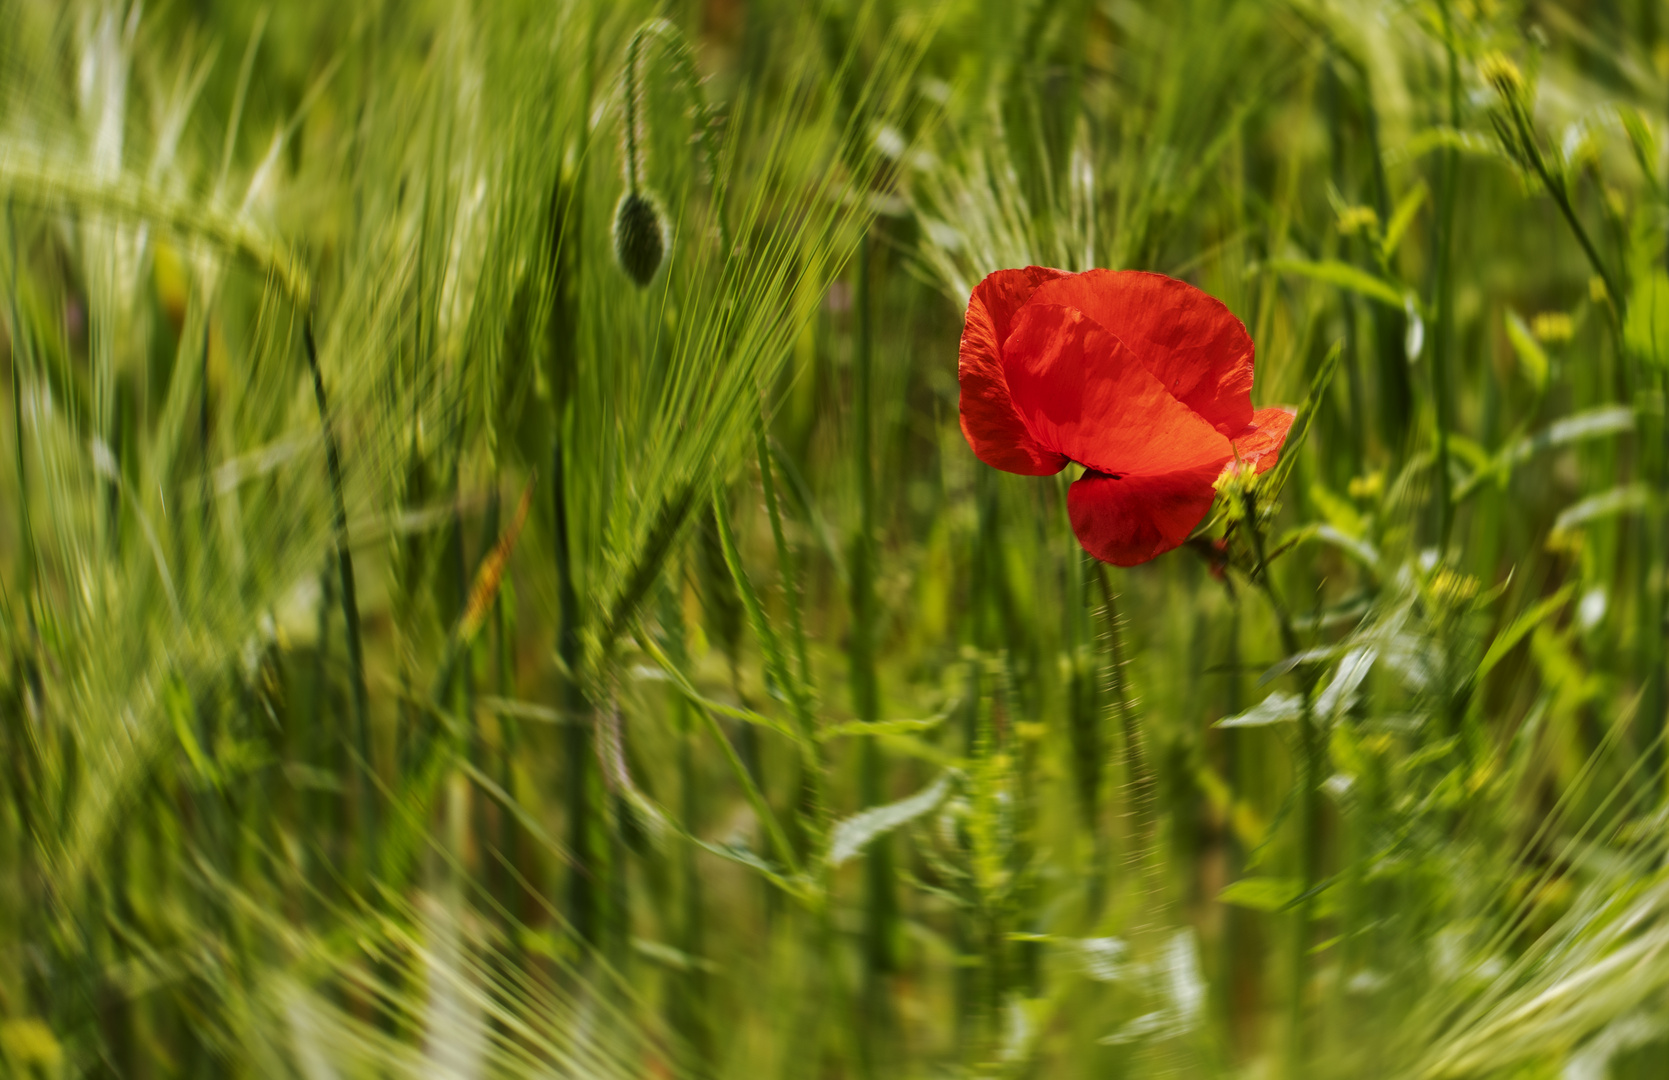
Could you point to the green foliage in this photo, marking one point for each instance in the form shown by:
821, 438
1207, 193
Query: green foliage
1647, 330
767, 733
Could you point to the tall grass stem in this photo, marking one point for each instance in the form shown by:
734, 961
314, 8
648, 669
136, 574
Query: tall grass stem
350, 606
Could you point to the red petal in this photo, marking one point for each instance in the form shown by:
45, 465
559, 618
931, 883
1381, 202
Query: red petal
1083, 394
989, 421
1131, 520
1260, 444
1190, 341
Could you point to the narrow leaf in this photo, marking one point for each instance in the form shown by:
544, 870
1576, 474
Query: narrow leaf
1345, 276
1623, 499
1647, 331
1515, 632
872, 728
1401, 218
851, 835
491, 574
1274, 709
1531, 356
1262, 893
1301, 423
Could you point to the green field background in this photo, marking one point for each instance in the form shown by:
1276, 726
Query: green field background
432, 650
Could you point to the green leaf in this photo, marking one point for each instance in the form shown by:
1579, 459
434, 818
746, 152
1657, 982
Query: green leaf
1513, 634
1445, 138
1262, 893
1274, 709
1338, 511
1578, 427
1641, 140
1622, 499
1301, 423
181, 713
1354, 546
851, 835
1531, 356
1646, 332
1345, 276
1401, 218
875, 728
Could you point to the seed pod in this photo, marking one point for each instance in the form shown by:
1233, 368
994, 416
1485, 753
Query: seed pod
639, 236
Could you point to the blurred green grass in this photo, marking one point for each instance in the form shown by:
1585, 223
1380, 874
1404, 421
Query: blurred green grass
701, 707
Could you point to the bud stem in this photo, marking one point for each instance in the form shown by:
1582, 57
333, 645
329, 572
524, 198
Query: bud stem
634, 163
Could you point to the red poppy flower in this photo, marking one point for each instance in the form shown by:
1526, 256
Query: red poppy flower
1144, 380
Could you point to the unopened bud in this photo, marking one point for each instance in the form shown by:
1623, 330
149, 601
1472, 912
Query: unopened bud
639, 236
1238, 480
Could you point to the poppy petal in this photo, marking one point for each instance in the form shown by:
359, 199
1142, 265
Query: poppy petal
1260, 444
1083, 394
989, 421
1189, 339
1129, 520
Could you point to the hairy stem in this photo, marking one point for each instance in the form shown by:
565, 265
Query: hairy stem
1307, 766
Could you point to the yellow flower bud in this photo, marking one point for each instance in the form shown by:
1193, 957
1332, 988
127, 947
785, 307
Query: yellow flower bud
1552, 327
1355, 219
1498, 70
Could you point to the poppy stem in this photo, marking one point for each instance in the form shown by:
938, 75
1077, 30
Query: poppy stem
1139, 777
1306, 782
1085, 713
634, 165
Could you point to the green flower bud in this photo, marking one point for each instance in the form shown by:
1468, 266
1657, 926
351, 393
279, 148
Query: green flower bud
639, 236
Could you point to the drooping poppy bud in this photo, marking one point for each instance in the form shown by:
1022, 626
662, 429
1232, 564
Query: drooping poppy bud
639, 236
639, 227
1144, 380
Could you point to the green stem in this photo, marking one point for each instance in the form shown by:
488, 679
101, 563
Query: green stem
634, 165
327, 749
1558, 188
1390, 325
785, 562
707, 129
1561, 198
755, 797
1138, 775
207, 488
1234, 918
880, 902
1309, 805
1443, 295
795, 682
19, 350
744, 777
1086, 731
350, 604
577, 729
